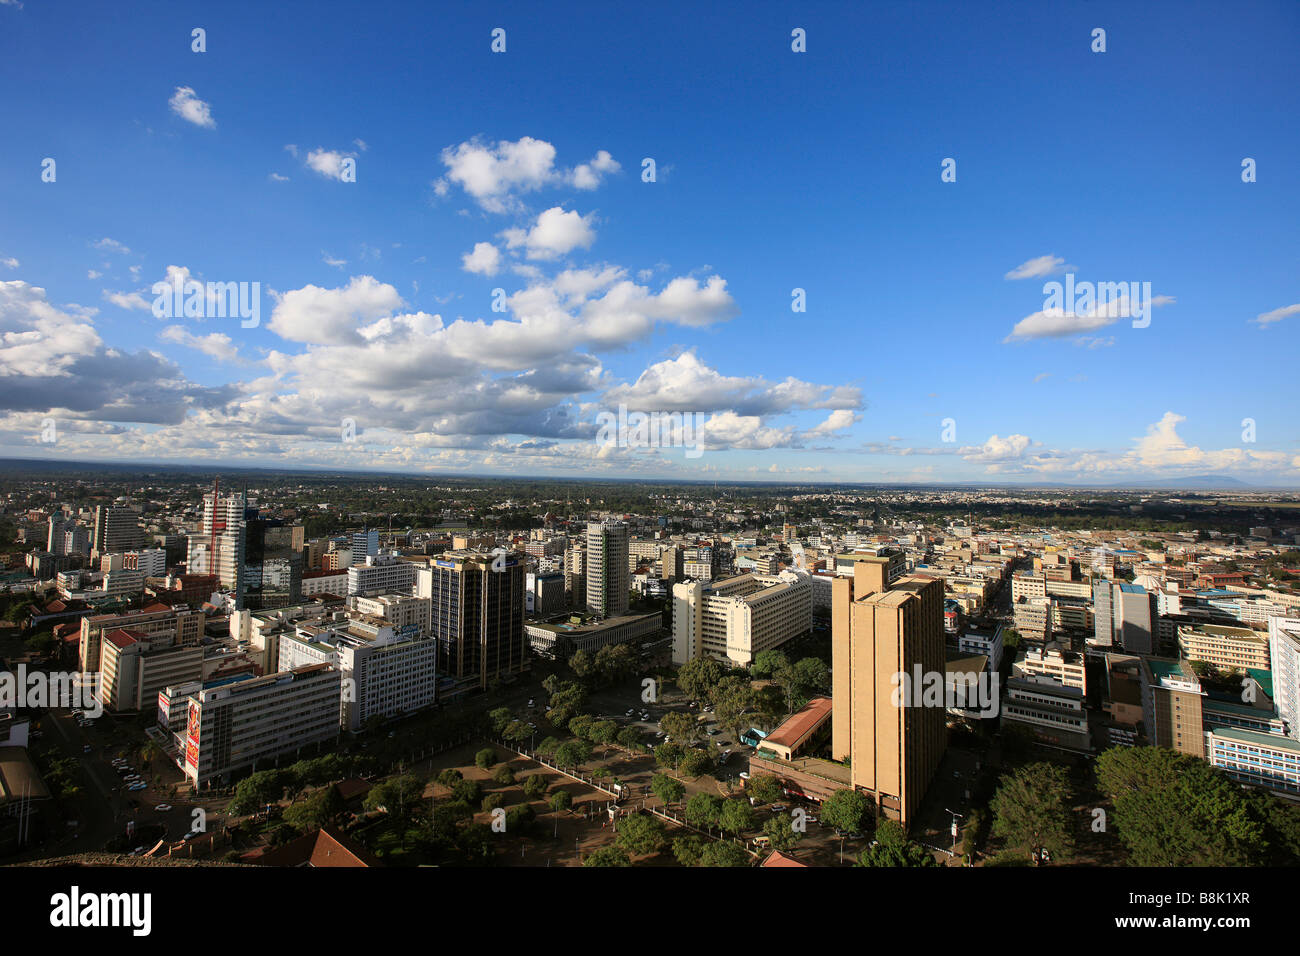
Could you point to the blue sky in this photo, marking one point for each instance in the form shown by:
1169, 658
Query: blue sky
776, 170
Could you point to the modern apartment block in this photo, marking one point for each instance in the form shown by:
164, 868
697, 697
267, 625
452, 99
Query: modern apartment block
478, 615
1230, 648
1284, 654
608, 581
386, 670
381, 574
1054, 663
181, 624
221, 555
881, 631
734, 619
399, 610
116, 529
248, 723
136, 666
1171, 705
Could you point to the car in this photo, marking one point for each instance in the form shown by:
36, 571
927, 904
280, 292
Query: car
137, 787
645, 716
87, 749
629, 713
744, 775
660, 734
779, 808
811, 818
392, 734
726, 753
163, 807
532, 702
713, 732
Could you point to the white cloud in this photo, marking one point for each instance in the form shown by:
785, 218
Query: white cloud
1058, 322
329, 163
485, 259
1277, 315
1037, 268
216, 344
277, 178
556, 233
331, 261
186, 104
128, 300
997, 449
10, 263
495, 175
111, 245
331, 316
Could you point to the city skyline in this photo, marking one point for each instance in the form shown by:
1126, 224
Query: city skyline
376, 219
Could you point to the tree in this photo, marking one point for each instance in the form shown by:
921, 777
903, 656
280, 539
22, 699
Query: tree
847, 810
767, 663
560, 800
695, 762
629, 737
519, 820
468, 790
607, 856
573, 753
485, 758
1031, 812
499, 718
1172, 809
892, 848
699, 676
397, 795
450, 777
667, 755
687, 850
683, 728
316, 811
503, 775
548, 746
722, 853
736, 816
492, 801
602, 732
580, 726
780, 831
764, 788
582, 664
666, 788
534, 785
702, 810
641, 835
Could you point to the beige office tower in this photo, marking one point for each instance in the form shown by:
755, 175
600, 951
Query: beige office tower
880, 630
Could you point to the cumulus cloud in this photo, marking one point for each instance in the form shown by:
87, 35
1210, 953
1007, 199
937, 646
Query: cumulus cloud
556, 233
186, 104
485, 259
495, 175
216, 344
331, 316
128, 300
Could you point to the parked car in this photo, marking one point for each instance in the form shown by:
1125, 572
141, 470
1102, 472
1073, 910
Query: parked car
163, 807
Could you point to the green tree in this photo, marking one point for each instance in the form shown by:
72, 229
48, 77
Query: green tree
892, 848
736, 816
695, 762
767, 663
1031, 812
684, 729
485, 758
666, 788
560, 800
699, 676
847, 810
641, 835
573, 753
398, 795
702, 810
534, 785
764, 788
503, 775
1172, 809
687, 850
780, 832
607, 856
723, 853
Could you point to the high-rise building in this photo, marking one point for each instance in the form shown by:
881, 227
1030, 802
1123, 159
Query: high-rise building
735, 619
272, 564
608, 581
1103, 614
884, 637
243, 724
1135, 618
478, 615
1171, 705
116, 529
227, 563
365, 544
